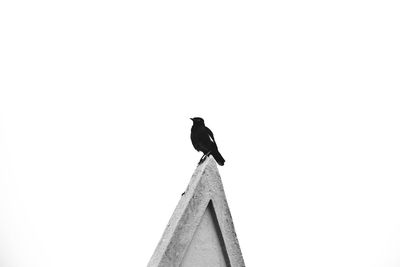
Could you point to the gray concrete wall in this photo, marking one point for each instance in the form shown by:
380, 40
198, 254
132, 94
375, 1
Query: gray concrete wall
207, 247
200, 232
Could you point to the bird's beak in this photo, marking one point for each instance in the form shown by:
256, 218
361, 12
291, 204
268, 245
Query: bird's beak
191, 118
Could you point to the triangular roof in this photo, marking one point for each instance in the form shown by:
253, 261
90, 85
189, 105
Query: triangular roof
200, 231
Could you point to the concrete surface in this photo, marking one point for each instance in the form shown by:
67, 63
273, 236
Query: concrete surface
200, 232
207, 247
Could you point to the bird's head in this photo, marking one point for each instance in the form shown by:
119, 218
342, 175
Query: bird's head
197, 120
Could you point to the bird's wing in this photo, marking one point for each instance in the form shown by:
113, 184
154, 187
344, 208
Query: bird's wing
211, 136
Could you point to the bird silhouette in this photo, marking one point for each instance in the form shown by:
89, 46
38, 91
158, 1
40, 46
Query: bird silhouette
203, 140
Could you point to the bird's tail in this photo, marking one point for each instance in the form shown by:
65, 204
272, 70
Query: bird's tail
218, 157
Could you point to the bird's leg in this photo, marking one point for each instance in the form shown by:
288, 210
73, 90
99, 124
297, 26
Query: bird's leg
202, 159
205, 156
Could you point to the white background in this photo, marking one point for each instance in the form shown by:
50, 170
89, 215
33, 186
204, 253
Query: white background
302, 97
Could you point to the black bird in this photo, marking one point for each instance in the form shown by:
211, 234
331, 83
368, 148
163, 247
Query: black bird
203, 140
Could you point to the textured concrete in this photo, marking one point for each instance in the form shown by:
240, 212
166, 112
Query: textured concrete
207, 247
200, 232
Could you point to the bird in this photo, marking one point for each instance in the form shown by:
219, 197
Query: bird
203, 140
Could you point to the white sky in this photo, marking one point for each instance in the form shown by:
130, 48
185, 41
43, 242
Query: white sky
302, 97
